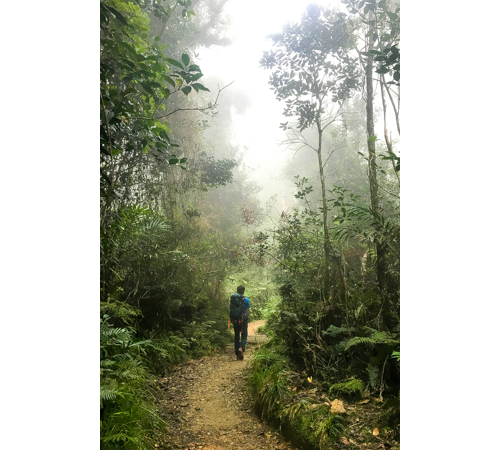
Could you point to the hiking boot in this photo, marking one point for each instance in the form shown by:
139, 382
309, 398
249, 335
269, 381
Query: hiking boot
240, 353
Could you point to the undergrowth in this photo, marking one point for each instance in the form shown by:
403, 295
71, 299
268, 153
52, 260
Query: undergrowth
273, 385
128, 368
126, 398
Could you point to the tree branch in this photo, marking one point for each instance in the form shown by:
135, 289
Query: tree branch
196, 109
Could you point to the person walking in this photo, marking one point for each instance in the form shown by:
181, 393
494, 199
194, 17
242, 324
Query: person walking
238, 313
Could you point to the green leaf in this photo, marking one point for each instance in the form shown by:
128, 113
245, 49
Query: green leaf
175, 63
392, 16
117, 14
186, 90
173, 161
169, 80
199, 87
185, 59
193, 68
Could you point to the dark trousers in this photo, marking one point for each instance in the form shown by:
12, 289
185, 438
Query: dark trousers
240, 327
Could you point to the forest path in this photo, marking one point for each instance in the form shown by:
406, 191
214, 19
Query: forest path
207, 407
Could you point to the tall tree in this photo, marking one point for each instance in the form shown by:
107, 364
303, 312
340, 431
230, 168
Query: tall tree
313, 72
380, 39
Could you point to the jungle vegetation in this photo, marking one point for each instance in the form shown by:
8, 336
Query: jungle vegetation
335, 326
180, 223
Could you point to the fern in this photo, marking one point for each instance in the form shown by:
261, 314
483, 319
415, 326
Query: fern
121, 310
292, 410
377, 337
329, 429
108, 393
127, 410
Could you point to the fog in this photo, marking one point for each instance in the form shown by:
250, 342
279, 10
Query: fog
254, 112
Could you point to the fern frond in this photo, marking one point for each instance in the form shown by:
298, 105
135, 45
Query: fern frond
108, 393
127, 313
120, 437
377, 337
359, 340
291, 410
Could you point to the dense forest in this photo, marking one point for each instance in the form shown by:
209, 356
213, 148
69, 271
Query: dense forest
181, 223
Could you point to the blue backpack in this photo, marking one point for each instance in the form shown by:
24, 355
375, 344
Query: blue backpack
237, 308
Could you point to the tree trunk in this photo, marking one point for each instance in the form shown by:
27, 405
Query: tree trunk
326, 244
372, 172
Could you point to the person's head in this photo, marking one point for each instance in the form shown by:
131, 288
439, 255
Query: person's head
240, 289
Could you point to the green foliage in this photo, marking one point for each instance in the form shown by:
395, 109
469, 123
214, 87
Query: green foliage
311, 63
171, 349
268, 381
317, 427
336, 319
308, 421
383, 17
376, 337
165, 237
259, 283
204, 337
127, 403
136, 82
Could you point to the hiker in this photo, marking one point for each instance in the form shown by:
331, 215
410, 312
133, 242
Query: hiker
238, 313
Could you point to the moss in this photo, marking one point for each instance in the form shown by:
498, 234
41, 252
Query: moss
313, 427
352, 387
302, 429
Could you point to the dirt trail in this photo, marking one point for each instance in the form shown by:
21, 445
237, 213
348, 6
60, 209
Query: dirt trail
206, 405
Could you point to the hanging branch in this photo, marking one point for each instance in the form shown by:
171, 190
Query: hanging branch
396, 111
388, 141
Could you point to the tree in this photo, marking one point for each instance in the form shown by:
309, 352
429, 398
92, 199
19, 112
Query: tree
136, 78
347, 342
313, 73
381, 40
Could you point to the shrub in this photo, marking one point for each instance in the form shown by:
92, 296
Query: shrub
126, 398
